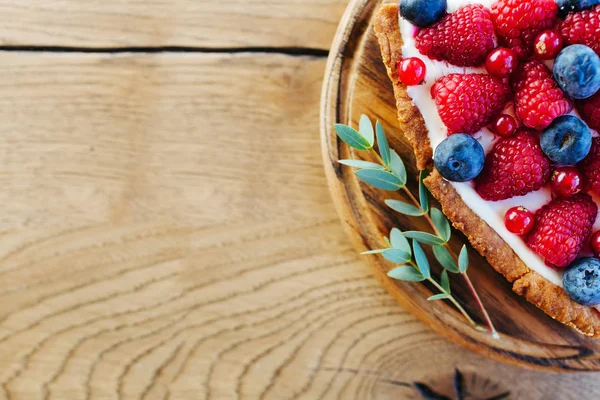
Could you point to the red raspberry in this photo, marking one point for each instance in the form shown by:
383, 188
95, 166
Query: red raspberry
515, 167
582, 28
527, 73
590, 111
468, 102
561, 229
462, 38
519, 22
590, 168
538, 98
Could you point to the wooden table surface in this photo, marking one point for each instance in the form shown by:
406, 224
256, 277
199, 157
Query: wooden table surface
166, 231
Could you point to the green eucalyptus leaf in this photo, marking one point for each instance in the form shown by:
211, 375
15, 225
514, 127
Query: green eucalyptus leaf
445, 281
445, 259
441, 223
382, 143
365, 127
396, 256
441, 296
380, 179
404, 208
379, 251
397, 166
421, 259
387, 241
352, 137
423, 192
399, 241
406, 273
361, 164
424, 237
463, 260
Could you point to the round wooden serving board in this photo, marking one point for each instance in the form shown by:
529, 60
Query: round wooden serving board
356, 83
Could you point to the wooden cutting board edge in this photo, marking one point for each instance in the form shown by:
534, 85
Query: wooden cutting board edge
336, 95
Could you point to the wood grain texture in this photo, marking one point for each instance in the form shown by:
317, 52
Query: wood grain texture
131, 204
166, 231
155, 23
166, 237
357, 83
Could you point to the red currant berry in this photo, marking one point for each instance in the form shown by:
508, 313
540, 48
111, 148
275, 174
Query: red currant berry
501, 62
595, 243
411, 71
548, 44
505, 125
519, 220
566, 182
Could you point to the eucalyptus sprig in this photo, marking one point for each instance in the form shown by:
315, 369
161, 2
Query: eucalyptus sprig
389, 174
413, 266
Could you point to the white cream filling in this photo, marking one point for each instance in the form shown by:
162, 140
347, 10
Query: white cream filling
490, 212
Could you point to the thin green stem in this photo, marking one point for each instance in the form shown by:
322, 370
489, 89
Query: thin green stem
488, 320
450, 297
453, 300
425, 215
379, 159
472, 289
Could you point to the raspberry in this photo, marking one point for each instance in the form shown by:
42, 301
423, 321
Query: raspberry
515, 167
561, 229
582, 28
462, 38
590, 168
538, 98
468, 102
590, 111
529, 72
519, 22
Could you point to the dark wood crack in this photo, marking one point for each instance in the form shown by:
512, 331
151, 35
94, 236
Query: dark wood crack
290, 51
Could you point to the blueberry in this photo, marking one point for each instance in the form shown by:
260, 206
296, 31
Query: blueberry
567, 140
422, 13
567, 6
581, 281
577, 71
459, 158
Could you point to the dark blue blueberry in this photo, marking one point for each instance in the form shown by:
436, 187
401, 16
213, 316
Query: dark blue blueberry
567, 6
567, 140
581, 281
422, 13
459, 158
577, 71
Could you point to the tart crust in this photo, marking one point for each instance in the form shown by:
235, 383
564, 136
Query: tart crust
551, 299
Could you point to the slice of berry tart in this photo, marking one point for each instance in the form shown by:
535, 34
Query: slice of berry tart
501, 98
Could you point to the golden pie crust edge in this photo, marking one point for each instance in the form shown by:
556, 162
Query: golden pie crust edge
548, 297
